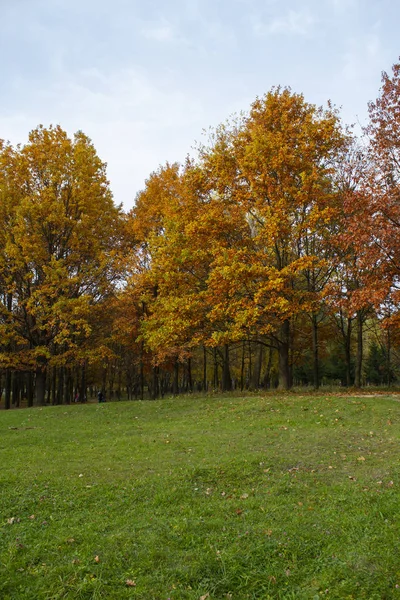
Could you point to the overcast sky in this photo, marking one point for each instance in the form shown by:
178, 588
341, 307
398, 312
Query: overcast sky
143, 78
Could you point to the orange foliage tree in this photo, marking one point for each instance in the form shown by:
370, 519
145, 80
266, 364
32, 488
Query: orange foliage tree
59, 247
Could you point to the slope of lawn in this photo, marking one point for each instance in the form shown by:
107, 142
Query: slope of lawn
291, 497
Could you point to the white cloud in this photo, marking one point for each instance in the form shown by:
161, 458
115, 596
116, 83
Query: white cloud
135, 123
293, 23
342, 7
364, 54
160, 32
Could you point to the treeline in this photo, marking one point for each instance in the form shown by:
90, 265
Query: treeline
270, 259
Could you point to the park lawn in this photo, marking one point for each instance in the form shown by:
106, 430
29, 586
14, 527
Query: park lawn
288, 496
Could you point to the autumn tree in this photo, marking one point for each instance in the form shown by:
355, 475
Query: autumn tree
59, 248
383, 208
284, 154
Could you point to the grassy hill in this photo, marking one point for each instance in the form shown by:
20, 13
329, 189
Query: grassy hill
290, 497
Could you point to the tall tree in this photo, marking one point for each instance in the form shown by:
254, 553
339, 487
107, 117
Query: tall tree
283, 156
60, 248
383, 208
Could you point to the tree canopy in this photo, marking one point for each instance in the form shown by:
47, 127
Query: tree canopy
269, 258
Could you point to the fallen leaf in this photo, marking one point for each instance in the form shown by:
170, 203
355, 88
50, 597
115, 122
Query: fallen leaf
205, 596
130, 583
96, 559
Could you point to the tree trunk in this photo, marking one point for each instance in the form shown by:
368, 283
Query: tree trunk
119, 381
175, 383
189, 374
141, 371
315, 349
284, 363
29, 388
155, 383
40, 387
242, 366
389, 358
255, 380
16, 388
267, 375
7, 390
48, 387
54, 386
347, 350
359, 357
60, 386
226, 372
215, 378
250, 368
82, 393
69, 387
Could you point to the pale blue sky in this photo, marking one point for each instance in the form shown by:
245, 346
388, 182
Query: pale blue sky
144, 78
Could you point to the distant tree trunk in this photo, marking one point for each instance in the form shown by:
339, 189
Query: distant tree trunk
119, 382
48, 387
82, 393
175, 383
189, 374
347, 351
389, 358
315, 349
8, 382
255, 380
60, 386
215, 378
16, 388
155, 393
40, 386
250, 367
104, 379
141, 371
267, 374
7, 390
359, 357
284, 363
54, 386
29, 388
69, 386
226, 372
242, 366
111, 380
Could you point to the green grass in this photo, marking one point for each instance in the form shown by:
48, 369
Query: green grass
287, 497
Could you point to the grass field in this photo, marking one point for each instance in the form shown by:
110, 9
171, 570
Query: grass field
288, 497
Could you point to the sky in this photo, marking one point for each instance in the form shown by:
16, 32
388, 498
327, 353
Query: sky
144, 78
